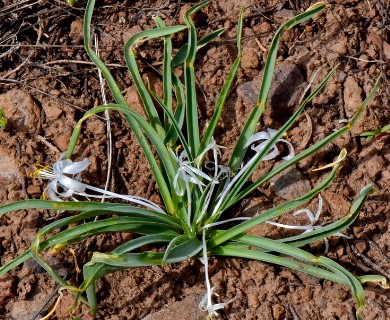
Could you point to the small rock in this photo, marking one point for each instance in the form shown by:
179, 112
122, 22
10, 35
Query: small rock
340, 47
76, 31
9, 168
286, 89
340, 251
6, 288
134, 101
337, 203
96, 126
62, 141
283, 15
352, 95
361, 246
52, 113
345, 1
34, 190
93, 167
301, 56
306, 294
250, 59
278, 311
180, 310
21, 111
377, 40
32, 220
264, 27
290, 184
26, 286
55, 92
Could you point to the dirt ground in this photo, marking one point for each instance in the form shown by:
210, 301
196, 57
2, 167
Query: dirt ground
47, 83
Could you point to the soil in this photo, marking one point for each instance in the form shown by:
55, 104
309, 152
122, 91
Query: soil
47, 83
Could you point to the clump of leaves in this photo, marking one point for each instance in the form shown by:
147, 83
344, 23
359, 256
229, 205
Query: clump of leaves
196, 193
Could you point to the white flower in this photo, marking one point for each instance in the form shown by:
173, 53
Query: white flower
187, 172
206, 304
65, 176
265, 136
312, 218
211, 308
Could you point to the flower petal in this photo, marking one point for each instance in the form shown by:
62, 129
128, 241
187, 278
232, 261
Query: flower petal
262, 135
75, 167
291, 153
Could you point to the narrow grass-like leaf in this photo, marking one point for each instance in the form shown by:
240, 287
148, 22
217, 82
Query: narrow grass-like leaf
381, 280
180, 56
320, 144
132, 66
273, 212
15, 262
171, 117
231, 251
94, 271
171, 245
167, 71
56, 205
225, 89
189, 79
334, 227
157, 142
250, 126
181, 252
118, 224
116, 92
169, 205
137, 213
372, 134
172, 135
352, 281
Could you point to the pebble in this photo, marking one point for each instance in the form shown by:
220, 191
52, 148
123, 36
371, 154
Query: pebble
340, 47
6, 287
52, 113
278, 311
250, 59
180, 310
34, 190
76, 31
22, 112
352, 95
361, 246
62, 141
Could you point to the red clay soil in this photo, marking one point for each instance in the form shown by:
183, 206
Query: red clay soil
47, 82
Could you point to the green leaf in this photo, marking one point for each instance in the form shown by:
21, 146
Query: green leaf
230, 251
181, 252
189, 79
116, 92
250, 126
180, 56
132, 66
225, 89
273, 212
320, 144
